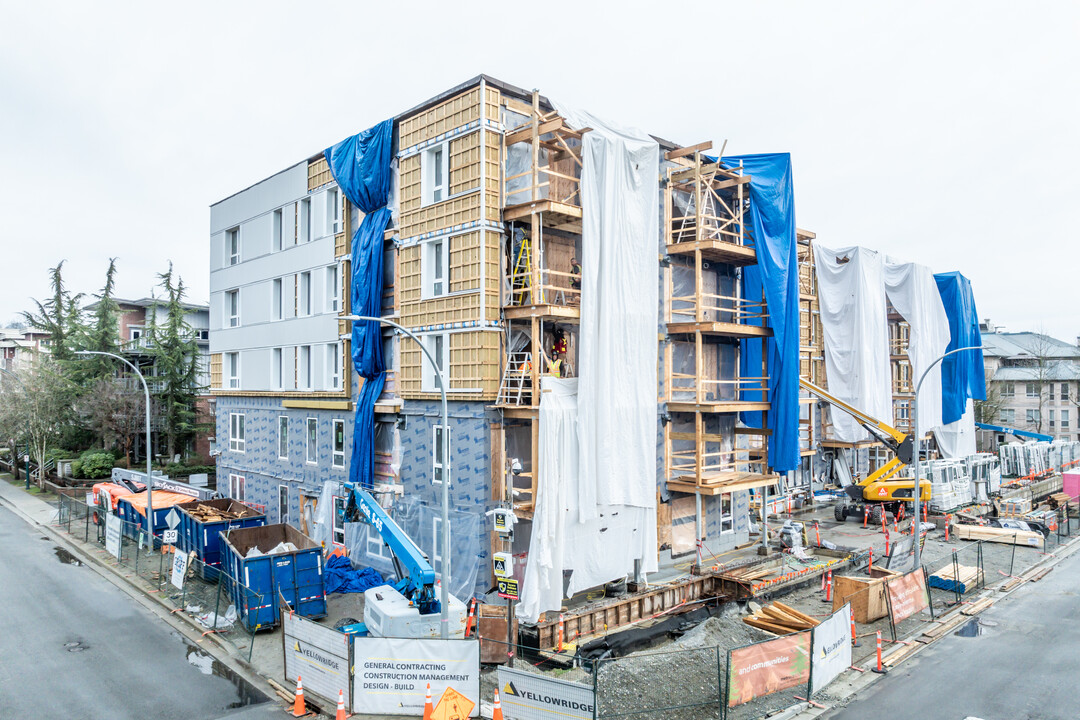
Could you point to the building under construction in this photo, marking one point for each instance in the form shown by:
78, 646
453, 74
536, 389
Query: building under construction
621, 322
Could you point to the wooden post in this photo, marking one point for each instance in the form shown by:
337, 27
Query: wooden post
699, 446
537, 358
699, 368
535, 141
534, 425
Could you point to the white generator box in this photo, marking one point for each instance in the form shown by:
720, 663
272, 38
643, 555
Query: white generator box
388, 613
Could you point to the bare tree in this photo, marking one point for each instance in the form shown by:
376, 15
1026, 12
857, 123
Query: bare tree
115, 412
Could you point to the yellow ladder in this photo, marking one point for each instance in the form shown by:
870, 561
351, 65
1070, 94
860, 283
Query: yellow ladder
522, 275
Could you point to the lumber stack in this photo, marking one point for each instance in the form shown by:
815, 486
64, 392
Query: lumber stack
1060, 500
999, 535
958, 578
780, 619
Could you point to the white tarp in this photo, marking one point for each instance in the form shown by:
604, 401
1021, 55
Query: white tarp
957, 439
831, 653
598, 546
851, 292
912, 290
617, 357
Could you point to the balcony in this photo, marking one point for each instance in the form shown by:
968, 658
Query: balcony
703, 211
712, 456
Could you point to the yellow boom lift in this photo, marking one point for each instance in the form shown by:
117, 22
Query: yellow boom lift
880, 491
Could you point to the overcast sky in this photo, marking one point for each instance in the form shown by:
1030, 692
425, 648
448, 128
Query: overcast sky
939, 132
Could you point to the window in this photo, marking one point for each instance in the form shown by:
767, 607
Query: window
903, 410
1051, 418
232, 364
437, 454
338, 522
435, 173
236, 432
333, 366
305, 367
1064, 391
333, 211
277, 225
283, 437
1009, 390
236, 487
1033, 416
232, 245
303, 222
333, 294
436, 259
312, 443
1031, 391
1008, 417
283, 503
727, 523
277, 369
436, 345
278, 300
305, 293
339, 444
232, 299
1064, 419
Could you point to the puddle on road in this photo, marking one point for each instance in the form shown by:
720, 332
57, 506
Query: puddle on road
65, 557
75, 646
208, 665
974, 627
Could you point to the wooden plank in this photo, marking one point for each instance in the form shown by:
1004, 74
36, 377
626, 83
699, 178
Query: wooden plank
689, 150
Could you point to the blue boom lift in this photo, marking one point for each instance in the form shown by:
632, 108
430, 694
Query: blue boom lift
1014, 431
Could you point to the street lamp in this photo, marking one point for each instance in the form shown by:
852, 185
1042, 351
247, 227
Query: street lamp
445, 597
149, 482
15, 459
918, 444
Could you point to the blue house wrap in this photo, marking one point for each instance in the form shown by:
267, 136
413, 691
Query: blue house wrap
361, 167
963, 376
776, 277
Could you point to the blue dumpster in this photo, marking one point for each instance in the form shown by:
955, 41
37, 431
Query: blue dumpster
201, 523
132, 510
262, 570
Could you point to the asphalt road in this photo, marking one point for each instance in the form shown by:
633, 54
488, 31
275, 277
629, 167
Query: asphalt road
74, 645
1016, 662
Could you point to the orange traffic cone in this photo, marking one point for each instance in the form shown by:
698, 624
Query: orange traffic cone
341, 715
428, 709
496, 712
299, 710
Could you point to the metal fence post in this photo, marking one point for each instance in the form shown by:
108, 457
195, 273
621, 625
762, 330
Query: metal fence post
929, 597
595, 686
217, 600
137, 553
1012, 559
956, 578
982, 570
810, 673
719, 682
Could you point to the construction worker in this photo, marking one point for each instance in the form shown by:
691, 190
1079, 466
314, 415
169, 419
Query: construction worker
559, 347
575, 274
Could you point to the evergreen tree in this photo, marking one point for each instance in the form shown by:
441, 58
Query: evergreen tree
59, 316
103, 331
176, 363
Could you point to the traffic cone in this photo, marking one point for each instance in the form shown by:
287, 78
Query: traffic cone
341, 715
428, 709
880, 668
854, 634
298, 709
496, 712
469, 622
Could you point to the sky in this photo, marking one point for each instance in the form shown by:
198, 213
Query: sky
935, 132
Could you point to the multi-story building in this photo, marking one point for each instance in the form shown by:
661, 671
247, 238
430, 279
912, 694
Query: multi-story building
1033, 383
483, 261
18, 348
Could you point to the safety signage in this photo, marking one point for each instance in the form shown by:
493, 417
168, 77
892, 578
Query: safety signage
504, 564
113, 527
525, 695
179, 568
907, 595
169, 537
391, 675
318, 654
831, 648
172, 519
452, 706
508, 588
768, 667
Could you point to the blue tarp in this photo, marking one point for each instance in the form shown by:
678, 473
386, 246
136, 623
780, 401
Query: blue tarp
962, 375
341, 577
361, 167
772, 233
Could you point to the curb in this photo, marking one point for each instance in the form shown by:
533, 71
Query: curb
178, 621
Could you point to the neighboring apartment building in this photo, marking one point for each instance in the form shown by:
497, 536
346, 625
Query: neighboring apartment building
483, 261
1033, 380
135, 316
18, 348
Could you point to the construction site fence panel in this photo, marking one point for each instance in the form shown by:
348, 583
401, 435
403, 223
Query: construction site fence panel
768, 676
319, 654
148, 565
391, 675
528, 695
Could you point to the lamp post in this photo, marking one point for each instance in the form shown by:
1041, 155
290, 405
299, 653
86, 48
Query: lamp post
15, 459
918, 445
149, 482
445, 595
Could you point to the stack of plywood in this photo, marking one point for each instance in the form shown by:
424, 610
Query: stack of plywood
957, 578
780, 619
999, 535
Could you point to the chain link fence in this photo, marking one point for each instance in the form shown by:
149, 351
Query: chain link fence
148, 566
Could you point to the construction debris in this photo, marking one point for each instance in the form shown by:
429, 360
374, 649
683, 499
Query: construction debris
208, 513
780, 619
